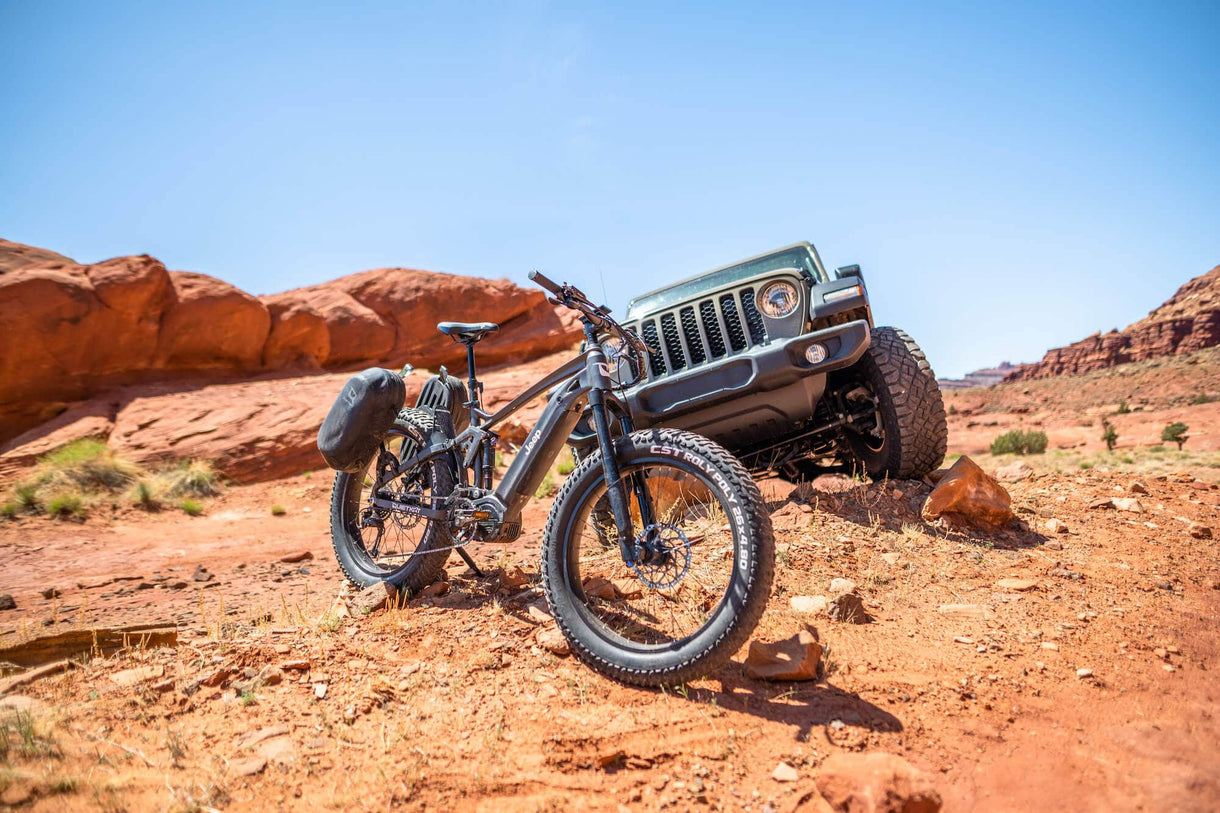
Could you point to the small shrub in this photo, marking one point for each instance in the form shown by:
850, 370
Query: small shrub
9, 510
1018, 442
87, 464
27, 497
1175, 433
952, 409
143, 496
194, 478
66, 505
1157, 448
1108, 434
566, 463
278, 510
1202, 398
1123, 408
192, 507
1086, 465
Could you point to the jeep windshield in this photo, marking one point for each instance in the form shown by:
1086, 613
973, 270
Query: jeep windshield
800, 257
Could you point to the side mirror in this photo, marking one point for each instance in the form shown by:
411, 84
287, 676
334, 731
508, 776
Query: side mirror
848, 271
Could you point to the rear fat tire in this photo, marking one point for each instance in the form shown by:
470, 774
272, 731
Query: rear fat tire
346, 502
728, 627
914, 428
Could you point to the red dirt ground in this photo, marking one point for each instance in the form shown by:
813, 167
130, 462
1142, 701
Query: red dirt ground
448, 703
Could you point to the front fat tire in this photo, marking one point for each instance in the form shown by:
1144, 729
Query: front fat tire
728, 627
916, 433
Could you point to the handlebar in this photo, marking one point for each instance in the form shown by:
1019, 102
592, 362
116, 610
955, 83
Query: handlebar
546, 282
572, 297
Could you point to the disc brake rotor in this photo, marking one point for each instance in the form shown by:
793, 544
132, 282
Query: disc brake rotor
670, 561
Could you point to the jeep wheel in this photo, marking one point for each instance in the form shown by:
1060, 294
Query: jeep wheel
909, 435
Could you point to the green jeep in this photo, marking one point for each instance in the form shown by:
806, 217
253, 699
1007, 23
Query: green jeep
781, 364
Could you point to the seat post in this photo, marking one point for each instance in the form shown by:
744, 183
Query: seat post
475, 400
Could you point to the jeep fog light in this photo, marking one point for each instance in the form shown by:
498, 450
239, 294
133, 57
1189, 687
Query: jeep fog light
778, 300
815, 353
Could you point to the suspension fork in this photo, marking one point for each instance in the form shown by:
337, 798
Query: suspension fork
600, 381
638, 486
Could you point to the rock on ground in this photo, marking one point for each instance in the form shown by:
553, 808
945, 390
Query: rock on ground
875, 783
795, 658
966, 497
809, 605
848, 608
1014, 472
372, 598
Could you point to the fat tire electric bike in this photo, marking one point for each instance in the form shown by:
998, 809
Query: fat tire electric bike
658, 553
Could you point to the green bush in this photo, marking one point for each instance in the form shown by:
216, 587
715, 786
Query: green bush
1202, 398
192, 507
66, 505
278, 510
27, 496
1109, 434
193, 478
1175, 433
1123, 408
8, 510
1018, 442
87, 464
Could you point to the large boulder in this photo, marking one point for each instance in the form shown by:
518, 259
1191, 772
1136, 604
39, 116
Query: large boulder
210, 324
324, 327
875, 783
967, 498
74, 331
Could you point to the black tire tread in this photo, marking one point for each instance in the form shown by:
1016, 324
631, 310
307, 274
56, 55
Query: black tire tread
897, 364
758, 581
431, 566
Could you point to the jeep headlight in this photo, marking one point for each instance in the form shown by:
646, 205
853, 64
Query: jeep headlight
778, 299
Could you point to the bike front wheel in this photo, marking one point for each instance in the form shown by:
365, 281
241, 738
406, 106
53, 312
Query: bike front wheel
706, 557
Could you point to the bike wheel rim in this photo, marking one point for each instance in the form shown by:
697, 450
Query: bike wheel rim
658, 620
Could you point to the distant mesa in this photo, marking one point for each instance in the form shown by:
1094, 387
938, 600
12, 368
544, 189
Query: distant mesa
979, 378
72, 331
1189, 321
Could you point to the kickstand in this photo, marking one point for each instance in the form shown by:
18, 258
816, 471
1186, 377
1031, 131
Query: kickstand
466, 558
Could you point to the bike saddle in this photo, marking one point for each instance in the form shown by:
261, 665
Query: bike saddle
467, 332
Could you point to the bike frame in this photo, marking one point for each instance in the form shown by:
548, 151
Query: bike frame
583, 380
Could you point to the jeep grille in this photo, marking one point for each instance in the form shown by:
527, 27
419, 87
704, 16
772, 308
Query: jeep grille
705, 331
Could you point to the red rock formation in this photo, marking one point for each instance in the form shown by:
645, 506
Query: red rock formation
72, 331
1189, 321
15, 255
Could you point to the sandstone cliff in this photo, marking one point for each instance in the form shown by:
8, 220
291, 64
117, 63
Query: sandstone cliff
1189, 321
73, 331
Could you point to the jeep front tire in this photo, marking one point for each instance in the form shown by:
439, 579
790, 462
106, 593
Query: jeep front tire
911, 435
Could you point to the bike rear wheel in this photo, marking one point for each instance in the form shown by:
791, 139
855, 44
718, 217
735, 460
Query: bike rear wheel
373, 544
681, 613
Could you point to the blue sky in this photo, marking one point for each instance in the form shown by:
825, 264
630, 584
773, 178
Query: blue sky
1011, 176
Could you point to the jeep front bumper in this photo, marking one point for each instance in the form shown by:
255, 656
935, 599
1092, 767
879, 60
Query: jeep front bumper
772, 366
